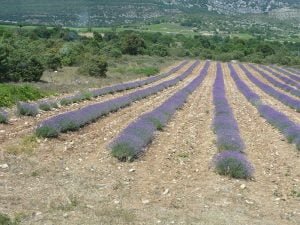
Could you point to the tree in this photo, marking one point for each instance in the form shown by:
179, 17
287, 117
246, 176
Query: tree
22, 70
95, 66
133, 44
265, 49
97, 36
4, 66
54, 62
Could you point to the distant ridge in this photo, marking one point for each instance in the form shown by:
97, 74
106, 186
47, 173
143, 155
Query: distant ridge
107, 12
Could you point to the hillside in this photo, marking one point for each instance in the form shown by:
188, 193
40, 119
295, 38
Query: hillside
104, 12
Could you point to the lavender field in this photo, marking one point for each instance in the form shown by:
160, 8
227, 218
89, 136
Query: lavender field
202, 142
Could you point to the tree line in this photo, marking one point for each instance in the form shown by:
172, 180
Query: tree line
25, 53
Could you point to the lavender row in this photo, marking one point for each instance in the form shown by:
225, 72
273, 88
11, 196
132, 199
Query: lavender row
283, 78
279, 120
32, 109
231, 160
132, 141
276, 83
293, 70
73, 120
285, 99
113, 89
292, 76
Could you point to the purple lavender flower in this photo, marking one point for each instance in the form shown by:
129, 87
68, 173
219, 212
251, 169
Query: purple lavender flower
277, 119
276, 83
233, 164
292, 76
285, 99
75, 119
225, 125
281, 77
132, 141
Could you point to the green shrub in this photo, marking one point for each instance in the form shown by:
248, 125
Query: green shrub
54, 62
96, 67
10, 94
25, 70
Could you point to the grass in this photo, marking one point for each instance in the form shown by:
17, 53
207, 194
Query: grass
6, 220
148, 71
126, 68
27, 146
10, 94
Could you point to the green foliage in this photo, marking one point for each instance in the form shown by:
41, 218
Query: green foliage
133, 44
10, 94
54, 62
5, 220
25, 53
95, 66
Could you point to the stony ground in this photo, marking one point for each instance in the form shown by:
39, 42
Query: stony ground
74, 180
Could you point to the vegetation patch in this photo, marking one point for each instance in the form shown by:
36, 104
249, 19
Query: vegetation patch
148, 71
27, 146
10, 94
233, 164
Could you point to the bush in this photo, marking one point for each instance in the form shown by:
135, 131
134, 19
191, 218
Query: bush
30, 70
96, 67
133, 44
10, 94
3, 116
27, 109
159, 50
54, 62
47, 105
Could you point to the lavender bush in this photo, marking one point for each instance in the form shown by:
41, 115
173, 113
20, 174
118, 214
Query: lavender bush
279, 120
292, 76
229, 142
132, 141
276, 83
27, 109
283, 78
3, 116
75, 119
233, 164
285, 99
47, 105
